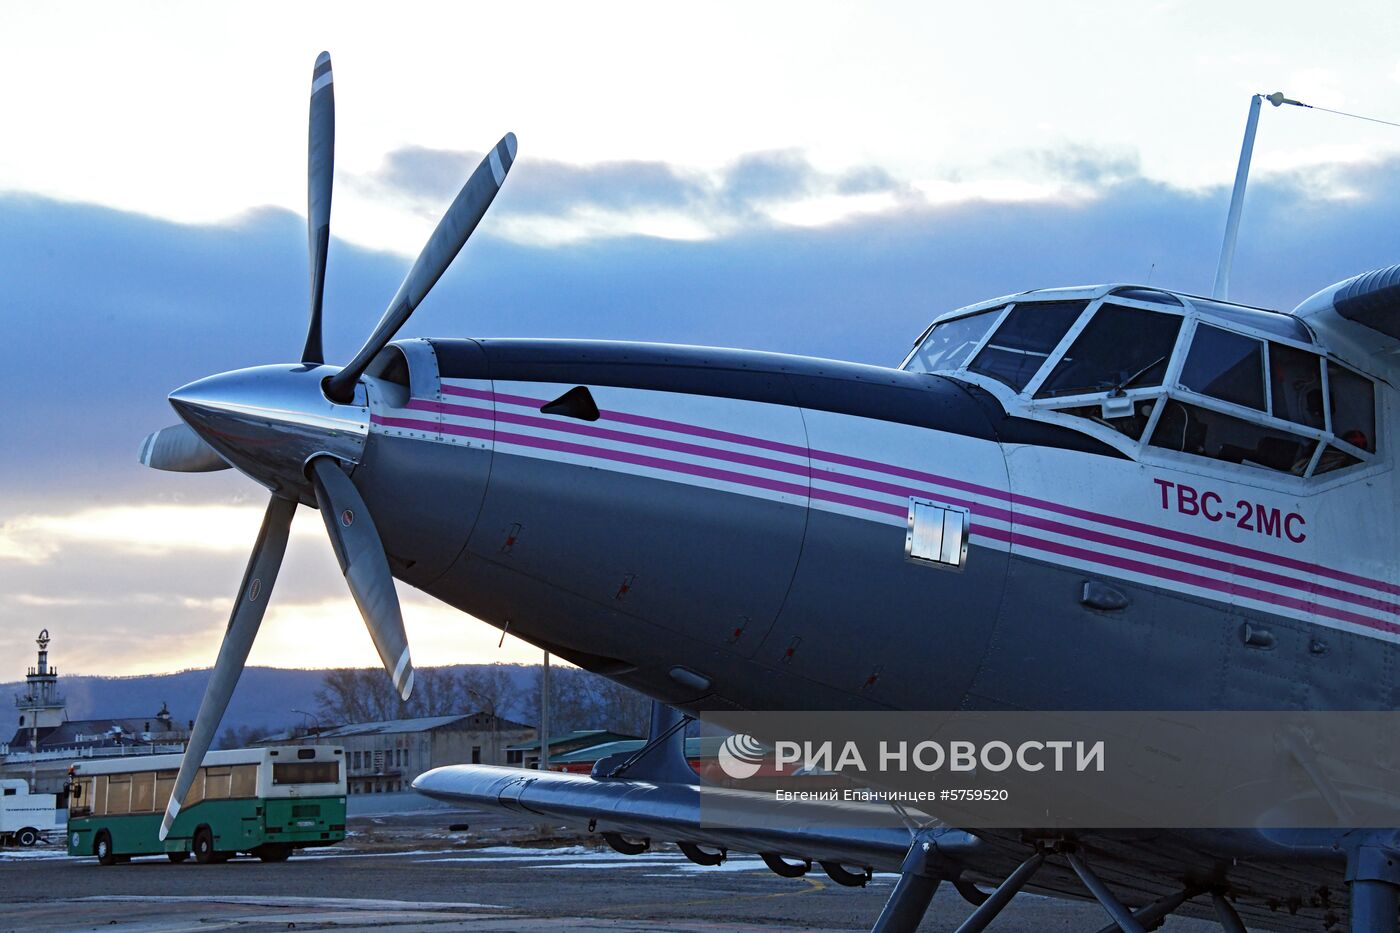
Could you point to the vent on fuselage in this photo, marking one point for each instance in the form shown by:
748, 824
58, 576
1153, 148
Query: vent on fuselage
575, 403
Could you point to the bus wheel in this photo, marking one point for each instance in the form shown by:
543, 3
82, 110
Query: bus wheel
177, 857
204, 852
272, 852
28, 836
102, 848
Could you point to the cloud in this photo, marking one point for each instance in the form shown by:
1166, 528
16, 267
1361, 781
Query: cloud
108, 311
146, 530
552, 201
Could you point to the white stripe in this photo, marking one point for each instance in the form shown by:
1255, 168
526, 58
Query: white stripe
398, 669
498, 171
323, 81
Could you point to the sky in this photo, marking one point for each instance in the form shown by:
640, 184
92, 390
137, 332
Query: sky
812, 178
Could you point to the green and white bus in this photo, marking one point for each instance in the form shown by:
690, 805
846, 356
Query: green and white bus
263, 801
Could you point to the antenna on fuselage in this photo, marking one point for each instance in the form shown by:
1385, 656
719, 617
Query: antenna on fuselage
1221, 288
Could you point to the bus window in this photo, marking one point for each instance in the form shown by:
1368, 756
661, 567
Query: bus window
306, 772
1295, 385
1118, 349
218, 782
244, 782
119, 793
143, 786
1226, 366
1024, 340
1207, 433
80, 798
165, 786
949, 344
1353, 405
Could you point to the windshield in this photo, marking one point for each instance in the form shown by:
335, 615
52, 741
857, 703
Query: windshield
949, 344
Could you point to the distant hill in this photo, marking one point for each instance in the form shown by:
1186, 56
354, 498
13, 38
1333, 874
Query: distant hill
264, 699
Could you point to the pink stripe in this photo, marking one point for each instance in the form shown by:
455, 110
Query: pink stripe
992, 532
1182, 537
1192, 579
1023, 519
625, 437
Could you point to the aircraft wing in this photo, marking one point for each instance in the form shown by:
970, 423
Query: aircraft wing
1281, 891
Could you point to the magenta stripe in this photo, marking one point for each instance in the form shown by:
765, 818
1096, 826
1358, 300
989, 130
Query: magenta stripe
875, 485
1192, 579
625, 437
992, 532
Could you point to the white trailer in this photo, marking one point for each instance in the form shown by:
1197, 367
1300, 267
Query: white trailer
25, 818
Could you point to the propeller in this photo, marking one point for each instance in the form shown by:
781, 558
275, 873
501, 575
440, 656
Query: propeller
442, 247
243, 624
320, 168
256, 442
180, 450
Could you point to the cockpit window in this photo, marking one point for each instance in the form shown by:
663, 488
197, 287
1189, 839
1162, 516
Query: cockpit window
1295, 385
1168, 372
1024, 340
948, 345
1353, 407
1195, 430
1227, 366
1119, 349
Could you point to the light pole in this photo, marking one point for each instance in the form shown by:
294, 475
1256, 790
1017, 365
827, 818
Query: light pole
309, 716
544, 715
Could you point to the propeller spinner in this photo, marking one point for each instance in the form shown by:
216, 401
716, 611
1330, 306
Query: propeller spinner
296, 428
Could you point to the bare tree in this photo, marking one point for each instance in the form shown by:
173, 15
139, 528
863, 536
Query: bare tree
437, 691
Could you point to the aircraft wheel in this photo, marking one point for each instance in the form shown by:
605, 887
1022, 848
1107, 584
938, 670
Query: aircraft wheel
102, 848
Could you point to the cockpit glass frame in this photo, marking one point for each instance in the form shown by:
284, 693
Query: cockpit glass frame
1291, 415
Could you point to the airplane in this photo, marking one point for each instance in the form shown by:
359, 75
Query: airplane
1102, 497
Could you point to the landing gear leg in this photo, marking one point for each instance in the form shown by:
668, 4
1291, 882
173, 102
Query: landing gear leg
1111, 905
911, 896
1225, 912
1373, 875
987, 911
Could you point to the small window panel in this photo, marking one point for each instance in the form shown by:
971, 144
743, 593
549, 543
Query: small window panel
1120, 348
1226, 366
1194, 430
937, 534
1132, 422
1295, 385
1353, 403
1023, 342
949, 344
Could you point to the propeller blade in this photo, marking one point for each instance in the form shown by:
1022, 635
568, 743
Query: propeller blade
320, 169
180, 450
442, 247
243, 624
361, 555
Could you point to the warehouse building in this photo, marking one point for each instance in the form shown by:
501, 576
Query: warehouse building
385, 757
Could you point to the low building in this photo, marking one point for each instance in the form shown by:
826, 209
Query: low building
701, 751
46, 741
383, 757
527, 754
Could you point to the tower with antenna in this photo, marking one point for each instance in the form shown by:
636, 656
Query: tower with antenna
41, 707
